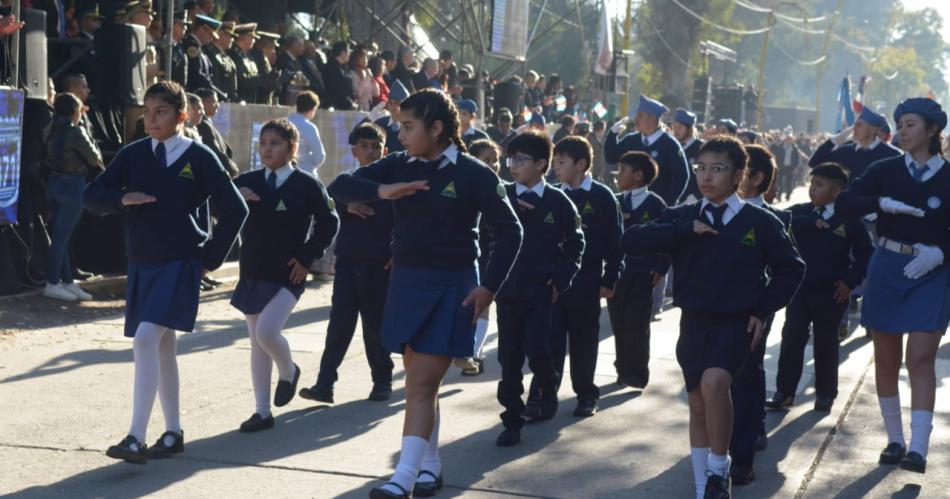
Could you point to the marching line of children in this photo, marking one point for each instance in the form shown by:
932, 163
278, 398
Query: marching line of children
431, 236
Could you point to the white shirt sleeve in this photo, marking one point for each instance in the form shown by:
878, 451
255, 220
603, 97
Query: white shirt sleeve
319, 155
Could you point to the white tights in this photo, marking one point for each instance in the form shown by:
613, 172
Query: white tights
156, 370
268, 347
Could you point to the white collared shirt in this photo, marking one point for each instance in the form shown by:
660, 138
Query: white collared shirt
871, 146
310, 152
537, 188
734, 205
688, 143
756, 200
827, 211
934, 164
649, 140
637, 197
585, 184
283, 173
175, 146
469, 131
449, 155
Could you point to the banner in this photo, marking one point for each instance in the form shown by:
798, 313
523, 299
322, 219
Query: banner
11, 126
605, 45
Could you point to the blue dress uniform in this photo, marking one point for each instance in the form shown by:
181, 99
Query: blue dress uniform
435, 246
549, 259
359, 290
691, 150
398, 93
631, 308
851, 155
671, 180
199, 65
751, 269
166, 249
577, 312
838, 253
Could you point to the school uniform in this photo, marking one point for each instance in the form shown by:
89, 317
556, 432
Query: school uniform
391, 127
472, 134
359, 290
549, 259
576, 319
435, 246
166, 248
838, 253
720, 281
853, 156
672, 178
293, 219
691, 150
631, 308
894, 303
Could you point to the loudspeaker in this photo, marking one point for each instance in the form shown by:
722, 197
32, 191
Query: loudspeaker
508, 94
133, 43
701, 92
33, 70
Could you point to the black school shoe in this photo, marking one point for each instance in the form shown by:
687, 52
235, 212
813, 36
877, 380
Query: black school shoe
532, 408
427, 489
823, 404
585, 408
779, 402
381, 392
914, 462
257, 423
318, 393
892, 454
129, 450
508, 438
717, 486
381, 493
286, 389
762, 442
162, 451
742, 474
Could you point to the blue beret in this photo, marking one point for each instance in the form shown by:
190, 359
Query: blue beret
538, 119
210, 22
650, 106
928, 108
397, 91
729, 124
685, 117
872, 118
468, 105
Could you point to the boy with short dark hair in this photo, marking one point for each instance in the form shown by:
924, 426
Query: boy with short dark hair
836, 253
550, 256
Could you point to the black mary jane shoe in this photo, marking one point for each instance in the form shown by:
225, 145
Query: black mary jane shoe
585, 408
162, 451
717, 486
892, 454
427, 489
318, 393
286, 389
257, 423
508, 438
129, 450
779, 402
381, 392
913, 461
381, 493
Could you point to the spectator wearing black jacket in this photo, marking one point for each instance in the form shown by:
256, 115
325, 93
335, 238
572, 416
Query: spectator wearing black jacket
339, 87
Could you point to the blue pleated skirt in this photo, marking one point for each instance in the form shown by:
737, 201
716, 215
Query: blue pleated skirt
424, 310
252, 295
895, 304
163, 293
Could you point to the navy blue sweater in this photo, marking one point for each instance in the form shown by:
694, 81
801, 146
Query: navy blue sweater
296, 220
847, 155
365, 239
890, 178
838, 253
552, 247
692, 186
724, 274
649, 210
438, 229
600, 219
670, 182
168, 229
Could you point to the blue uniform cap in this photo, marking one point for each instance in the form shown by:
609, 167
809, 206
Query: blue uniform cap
538, 119
650, 106
928, 108
468, 105
397, 91
872, 118
685, 117
210, 22
729, 124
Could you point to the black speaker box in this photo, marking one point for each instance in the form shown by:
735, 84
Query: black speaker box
33, 70
509, 94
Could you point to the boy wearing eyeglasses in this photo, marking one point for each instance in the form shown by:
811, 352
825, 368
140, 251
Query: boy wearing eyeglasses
720, 249
550, 256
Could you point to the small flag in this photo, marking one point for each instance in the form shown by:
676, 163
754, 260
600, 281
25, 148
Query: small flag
599, 110
526, 114
845, 112
561, 103
858, 102
605, 46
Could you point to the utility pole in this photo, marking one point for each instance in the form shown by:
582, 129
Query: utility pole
760, 99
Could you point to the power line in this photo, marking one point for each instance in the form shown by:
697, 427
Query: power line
796, 60
765, 10
667, 45
742, 32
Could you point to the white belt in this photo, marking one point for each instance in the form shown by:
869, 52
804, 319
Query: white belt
897, 247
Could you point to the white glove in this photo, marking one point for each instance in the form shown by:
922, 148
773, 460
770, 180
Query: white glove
927, 259
870, 218
895, 207
619, 126
843, 136
377, 112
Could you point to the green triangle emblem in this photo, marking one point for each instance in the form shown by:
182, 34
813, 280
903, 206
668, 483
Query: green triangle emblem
749, 238
645, 218
186, 172
549, 219
449, 191
588, 209
840, 231
281, 206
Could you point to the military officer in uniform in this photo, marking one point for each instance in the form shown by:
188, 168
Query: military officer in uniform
250, 79
264, 49
203, 31
223, 69
179, 60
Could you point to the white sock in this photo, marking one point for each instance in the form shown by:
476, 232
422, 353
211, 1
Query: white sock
699, 457
921, 423
261, 368
145, 352
430, 460
270, 322
891, 412
481, 332
410, 458
718, 464
168, 386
